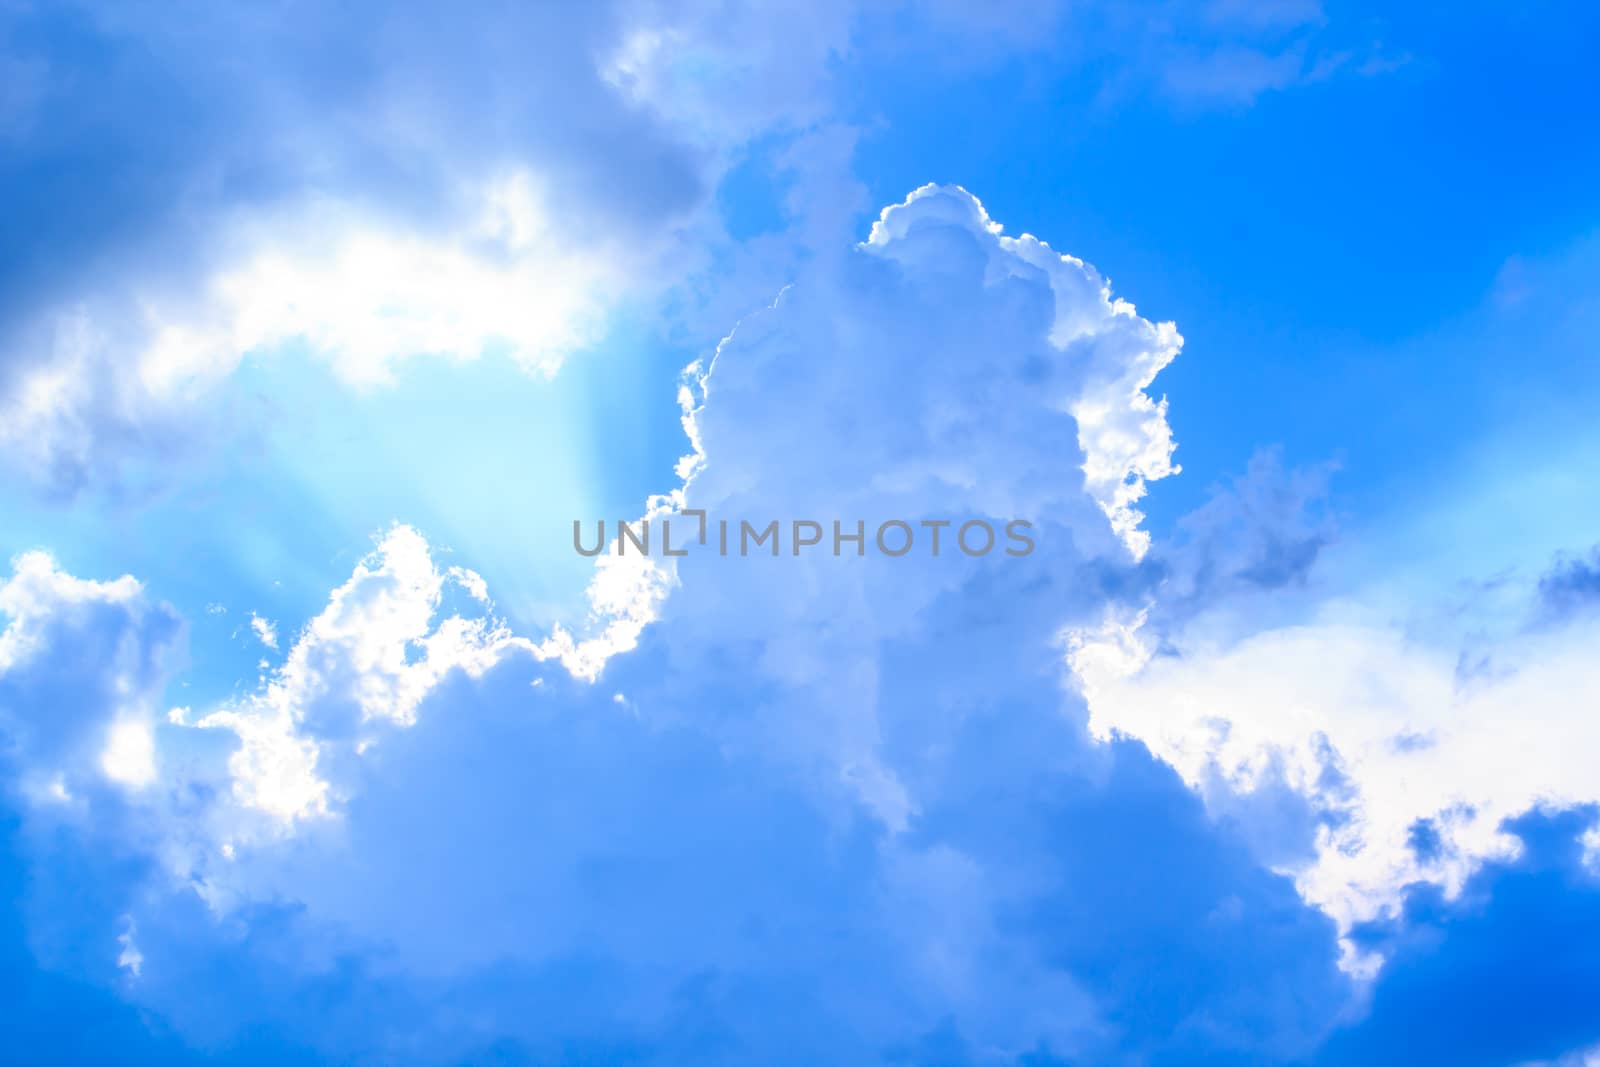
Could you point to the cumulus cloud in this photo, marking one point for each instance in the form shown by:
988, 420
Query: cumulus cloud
81, 669
364, 662
1368, 753
847, 809
1109, 355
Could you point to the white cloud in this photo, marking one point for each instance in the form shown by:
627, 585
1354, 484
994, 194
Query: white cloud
129, 958
367, 660
359, 291
81, 668
988, 376
37, 593
365, 294
1376, 728
1003, 341
624, 597
472, 582
1123, 431
450, 198
264, 630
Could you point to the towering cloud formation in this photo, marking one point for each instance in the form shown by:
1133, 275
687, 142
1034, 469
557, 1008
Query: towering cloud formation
856, 788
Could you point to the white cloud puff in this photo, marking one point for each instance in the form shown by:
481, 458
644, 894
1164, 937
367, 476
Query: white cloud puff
1408, 752
367, 660
264, 630
82, 664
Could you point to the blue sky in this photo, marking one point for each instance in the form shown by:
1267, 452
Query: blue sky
318, 329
